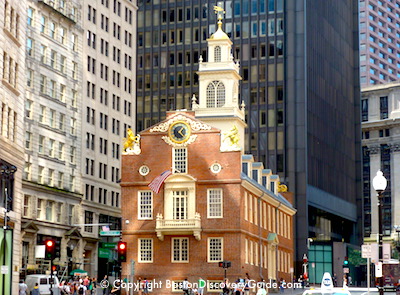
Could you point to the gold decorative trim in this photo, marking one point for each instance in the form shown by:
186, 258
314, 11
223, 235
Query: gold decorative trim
195, 125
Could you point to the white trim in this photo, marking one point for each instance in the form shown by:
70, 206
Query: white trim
216, 283
180, 250
221, 195
176, 283
140, 250
183, 162
208, 249
139, 216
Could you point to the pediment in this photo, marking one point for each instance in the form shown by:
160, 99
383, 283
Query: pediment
273, 239
181, 178
73, 233
30, 226
195, 124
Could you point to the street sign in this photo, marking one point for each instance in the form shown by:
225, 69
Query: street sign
109, 245
386, 252
366, 251
4, 269
378, 269
104, 253
110, 233
40, 251
374, 253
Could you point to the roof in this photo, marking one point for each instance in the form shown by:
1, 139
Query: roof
277, 197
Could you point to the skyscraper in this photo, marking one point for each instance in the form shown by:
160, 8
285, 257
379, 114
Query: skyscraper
379, 41
299, 64
108, 110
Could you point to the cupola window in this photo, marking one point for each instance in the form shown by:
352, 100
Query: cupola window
215, 94
217, 54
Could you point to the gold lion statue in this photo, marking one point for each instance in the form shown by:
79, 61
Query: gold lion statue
131, 139
282, 188
232, 135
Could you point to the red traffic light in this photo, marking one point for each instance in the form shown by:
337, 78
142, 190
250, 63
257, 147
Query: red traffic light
54, 268
49, 243
122, 246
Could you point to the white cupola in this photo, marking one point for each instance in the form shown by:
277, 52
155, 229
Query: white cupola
218, 103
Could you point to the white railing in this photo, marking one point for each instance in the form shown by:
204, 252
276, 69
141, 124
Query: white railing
162, 223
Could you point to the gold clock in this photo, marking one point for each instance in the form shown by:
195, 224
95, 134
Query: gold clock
179, 132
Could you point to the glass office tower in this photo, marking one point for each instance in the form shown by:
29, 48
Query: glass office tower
299, 63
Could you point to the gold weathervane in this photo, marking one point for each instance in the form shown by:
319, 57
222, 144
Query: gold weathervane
219, 11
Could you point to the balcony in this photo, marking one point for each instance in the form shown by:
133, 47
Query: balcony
178, 226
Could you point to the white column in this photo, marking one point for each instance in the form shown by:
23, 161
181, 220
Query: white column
395, 184
375, 165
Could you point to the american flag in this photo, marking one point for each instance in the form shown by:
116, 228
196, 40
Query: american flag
157, 182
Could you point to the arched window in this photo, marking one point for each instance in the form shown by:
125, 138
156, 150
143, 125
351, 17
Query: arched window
217, 54
215, 94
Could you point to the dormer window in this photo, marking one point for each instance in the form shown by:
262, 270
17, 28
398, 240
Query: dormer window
217, 54
215, 94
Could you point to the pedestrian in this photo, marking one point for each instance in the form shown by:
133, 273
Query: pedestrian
35, 290
185, 286
200, 289
350, 281
344, 281
116, 290
225, 289
22, 287
106, 283
82, 289
301, 281
282, 285
247, 284
261, 288
334, 279
145, 286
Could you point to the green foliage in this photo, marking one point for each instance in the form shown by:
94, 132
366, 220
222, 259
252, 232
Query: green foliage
355, 258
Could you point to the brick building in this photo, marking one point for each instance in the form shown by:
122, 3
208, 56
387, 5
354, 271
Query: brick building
217, 204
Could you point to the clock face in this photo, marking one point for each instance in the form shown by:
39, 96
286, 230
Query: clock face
179, 132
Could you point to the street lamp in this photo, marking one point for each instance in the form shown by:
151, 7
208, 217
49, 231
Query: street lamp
379, 183
7, 175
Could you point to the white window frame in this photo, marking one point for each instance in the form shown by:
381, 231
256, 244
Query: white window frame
209, 254
27, 203
180, 250
177, 286
177, 163
143, 212
210, 205
214, 283
141, 250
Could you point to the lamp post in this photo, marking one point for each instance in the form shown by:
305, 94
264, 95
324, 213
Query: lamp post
7, 173
379, 183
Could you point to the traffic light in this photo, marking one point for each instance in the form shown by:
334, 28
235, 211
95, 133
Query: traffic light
346, 262
122, 251
224, 264
57, 249
50, 246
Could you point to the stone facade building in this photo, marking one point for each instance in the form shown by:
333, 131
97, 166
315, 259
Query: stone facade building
381, 150
12, 63
80, 99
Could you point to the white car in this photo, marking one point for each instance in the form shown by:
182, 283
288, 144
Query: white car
331, 291
43, 283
